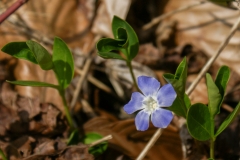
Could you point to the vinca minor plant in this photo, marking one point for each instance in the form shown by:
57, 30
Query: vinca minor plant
155, 103
152, 101
61, 62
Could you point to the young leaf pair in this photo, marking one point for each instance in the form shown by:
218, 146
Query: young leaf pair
63, 66
61, 62
124, 46
125, 41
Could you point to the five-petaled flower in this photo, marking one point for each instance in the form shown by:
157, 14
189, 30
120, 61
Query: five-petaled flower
150, 103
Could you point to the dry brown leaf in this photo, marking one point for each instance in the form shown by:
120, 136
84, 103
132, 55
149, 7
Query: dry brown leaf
148, 55
205, 27
77, 152
127, 140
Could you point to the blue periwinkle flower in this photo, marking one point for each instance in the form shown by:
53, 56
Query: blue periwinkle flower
150, 103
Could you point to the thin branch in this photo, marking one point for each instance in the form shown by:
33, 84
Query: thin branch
80, 81
106, 138
193, 85
95, 81
12, 9
152, 141
213, 58
160, 18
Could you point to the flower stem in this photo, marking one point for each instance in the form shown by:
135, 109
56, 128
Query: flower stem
66, 109
3, 155
129, 64
212, 149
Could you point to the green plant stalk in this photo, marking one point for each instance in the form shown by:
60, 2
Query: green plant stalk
66, 109
212, 148
129, 64
3, 155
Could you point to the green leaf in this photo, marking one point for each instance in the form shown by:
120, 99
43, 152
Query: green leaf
228, 120
181, 74
98, 149
33, 84
74, 138
177, 84
179, 79
110, 55
214, 97
222, 79
199, 122
42, 56
19, 50
181, 71
180, 106
130, 37
106, 47
63, 63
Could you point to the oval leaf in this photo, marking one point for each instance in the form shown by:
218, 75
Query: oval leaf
33, 84
181, 71
131, 43
214, 96
199, 122
177, 84
222, 79
19, 50
179, 106
63, 63
228, 120
42, 56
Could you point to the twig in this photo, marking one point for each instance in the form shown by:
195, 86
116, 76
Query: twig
160, 18
11, 10
213, 58
193, 85
152, 141
80, 81
106, 138
96, 82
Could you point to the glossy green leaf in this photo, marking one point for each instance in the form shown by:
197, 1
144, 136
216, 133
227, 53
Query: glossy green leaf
199, 122
98, 149
63, 63
179, 79
222, 79
42, 56
180, 106
33, 84
19, 50
228, 120
232, 4
107, 46
131, 43
176, 83
74, 138
181, 74
214, 96
110, 55
181, 71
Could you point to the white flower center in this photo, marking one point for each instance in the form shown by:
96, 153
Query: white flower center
151, 104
